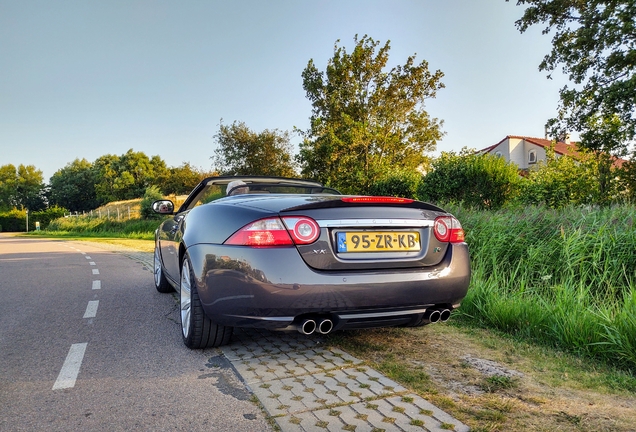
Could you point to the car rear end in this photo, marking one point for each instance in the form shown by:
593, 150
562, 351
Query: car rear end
328, 263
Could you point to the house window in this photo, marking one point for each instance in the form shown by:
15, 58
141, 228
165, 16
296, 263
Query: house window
532, 156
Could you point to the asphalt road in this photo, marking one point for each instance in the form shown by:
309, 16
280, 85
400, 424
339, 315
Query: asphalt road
86, 342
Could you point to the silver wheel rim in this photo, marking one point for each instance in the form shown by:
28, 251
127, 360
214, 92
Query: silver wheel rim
157, 267
185, 298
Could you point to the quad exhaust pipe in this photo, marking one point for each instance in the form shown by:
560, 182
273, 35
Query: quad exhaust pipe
309, 326
324, 326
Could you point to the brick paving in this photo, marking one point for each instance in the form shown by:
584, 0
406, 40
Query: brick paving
305, 385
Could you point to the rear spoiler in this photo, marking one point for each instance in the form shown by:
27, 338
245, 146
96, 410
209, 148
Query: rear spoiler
350, 201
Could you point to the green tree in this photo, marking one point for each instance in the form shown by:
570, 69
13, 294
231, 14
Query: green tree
180, 180
602, 139
73, 187
562, 181
126, 176
22, 187
627, 180
8, 180
367, 120
244, 152
594, 43
106, 173
480, 181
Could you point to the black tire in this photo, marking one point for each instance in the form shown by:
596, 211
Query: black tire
161, 283
197, 329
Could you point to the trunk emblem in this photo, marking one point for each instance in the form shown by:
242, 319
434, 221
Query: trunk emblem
320, 251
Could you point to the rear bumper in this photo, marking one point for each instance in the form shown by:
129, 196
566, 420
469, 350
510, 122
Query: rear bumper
274, 288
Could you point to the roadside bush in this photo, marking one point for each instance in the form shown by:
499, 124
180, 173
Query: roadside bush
151, 195
45, 217
401, 184
15, 220
479, 181
563, 181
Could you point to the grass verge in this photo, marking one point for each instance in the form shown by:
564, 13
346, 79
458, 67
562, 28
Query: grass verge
545, 389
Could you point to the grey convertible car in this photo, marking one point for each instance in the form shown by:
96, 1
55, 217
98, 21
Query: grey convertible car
282, 253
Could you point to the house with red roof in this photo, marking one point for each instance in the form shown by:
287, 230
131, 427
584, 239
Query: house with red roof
527, 151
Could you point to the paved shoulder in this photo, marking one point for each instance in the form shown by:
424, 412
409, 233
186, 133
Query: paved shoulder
305, 385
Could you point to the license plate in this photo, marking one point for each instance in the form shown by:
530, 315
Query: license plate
378, 241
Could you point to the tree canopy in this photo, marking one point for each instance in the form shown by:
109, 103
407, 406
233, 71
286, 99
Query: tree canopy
241, 151
562, 181
21, 187
367, 120
181, 180
73, 187
594, 43
126, 176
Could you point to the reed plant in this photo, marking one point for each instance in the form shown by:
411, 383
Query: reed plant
564, 278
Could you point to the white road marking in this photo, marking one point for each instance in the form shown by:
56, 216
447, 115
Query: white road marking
97, 284
71, 367
91, 309
87, 257
83, 253
95, 271
92, 263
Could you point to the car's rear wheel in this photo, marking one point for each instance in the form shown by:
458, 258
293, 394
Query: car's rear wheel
161, 283
197, 329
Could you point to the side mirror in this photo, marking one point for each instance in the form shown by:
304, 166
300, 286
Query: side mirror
165, 207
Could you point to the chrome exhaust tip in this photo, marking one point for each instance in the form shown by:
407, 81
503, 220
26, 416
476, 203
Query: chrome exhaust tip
432, 316
444, 315
307, 327
325, 326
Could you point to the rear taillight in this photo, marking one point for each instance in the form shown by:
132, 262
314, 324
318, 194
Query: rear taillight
303, 230
272, 232
448, 229
376, 200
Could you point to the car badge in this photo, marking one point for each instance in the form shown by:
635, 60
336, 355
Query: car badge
320, 251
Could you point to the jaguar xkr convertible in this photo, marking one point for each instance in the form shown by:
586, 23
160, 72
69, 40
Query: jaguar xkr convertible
279, 253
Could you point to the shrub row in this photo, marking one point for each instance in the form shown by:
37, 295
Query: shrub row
16, 220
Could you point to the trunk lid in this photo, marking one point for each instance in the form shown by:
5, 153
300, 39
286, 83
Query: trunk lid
370, 235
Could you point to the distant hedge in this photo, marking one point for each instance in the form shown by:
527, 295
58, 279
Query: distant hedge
15, 220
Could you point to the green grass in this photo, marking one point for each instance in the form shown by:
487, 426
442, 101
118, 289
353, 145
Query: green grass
100, 227
561, 278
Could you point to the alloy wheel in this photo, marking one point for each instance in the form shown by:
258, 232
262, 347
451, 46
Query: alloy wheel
185, 290
157, 267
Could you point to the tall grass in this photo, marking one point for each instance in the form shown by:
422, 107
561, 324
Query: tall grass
103, 227
564, 278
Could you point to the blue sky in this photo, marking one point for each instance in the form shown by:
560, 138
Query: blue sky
80, 79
